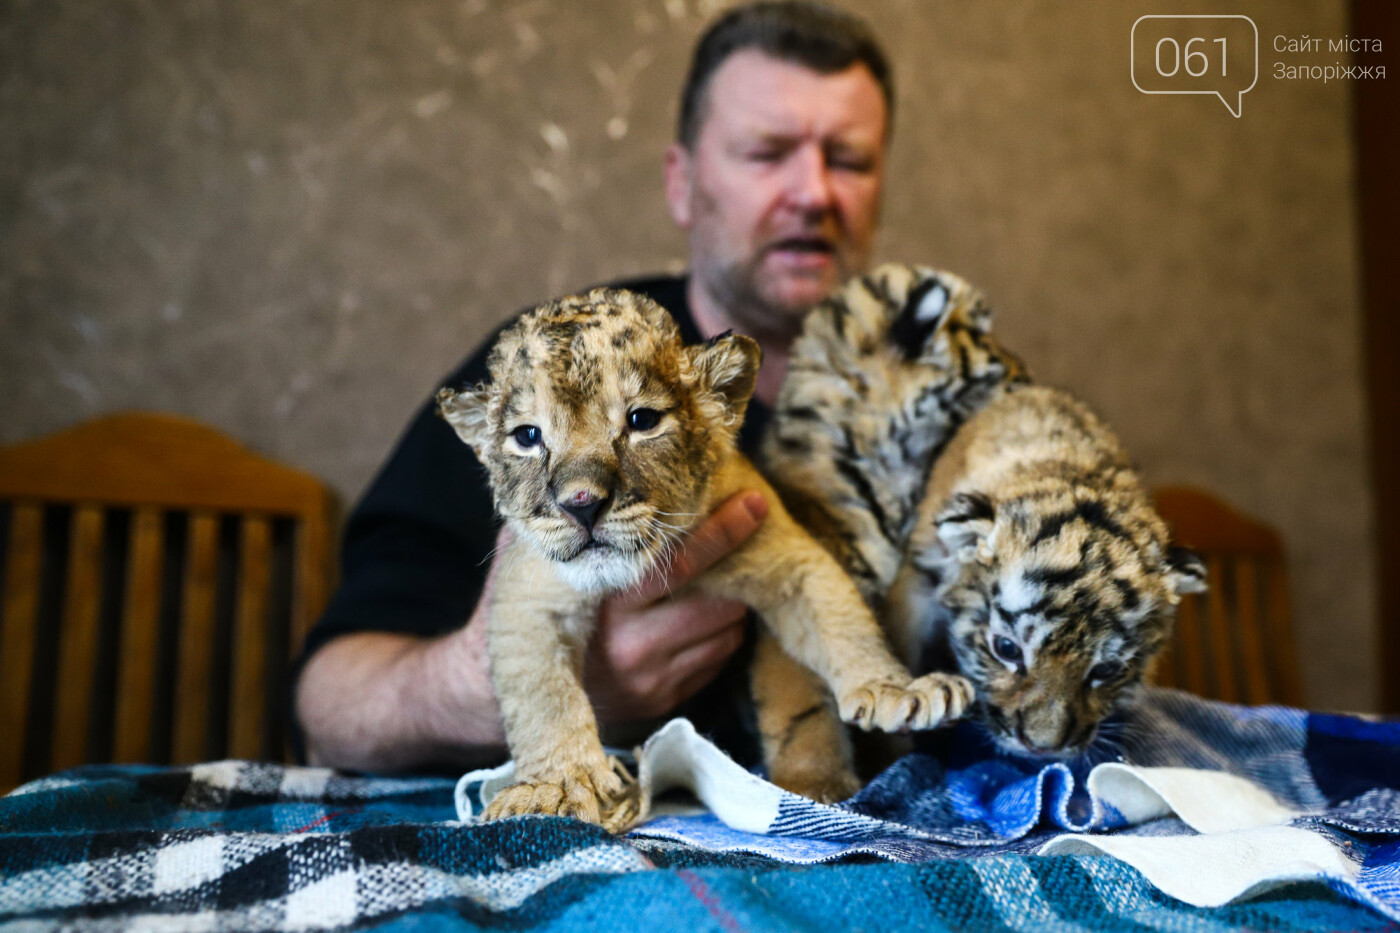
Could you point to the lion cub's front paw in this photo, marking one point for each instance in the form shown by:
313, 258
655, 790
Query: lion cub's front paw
946, 698
921, 704
599, 795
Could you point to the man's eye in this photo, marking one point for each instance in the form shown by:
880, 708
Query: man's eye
766, 155
1105, 671
527, 435
861, 166
1006, 650
643, 419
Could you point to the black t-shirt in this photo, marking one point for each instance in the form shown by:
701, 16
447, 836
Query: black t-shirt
416, 548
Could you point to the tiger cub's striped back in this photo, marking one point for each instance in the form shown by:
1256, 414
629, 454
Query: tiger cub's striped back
882, 375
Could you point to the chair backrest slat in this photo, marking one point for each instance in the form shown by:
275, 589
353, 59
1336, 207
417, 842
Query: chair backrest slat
194, 672
1251, 635
1222, 655
139, 639
1247, 653
248, 696
77, 640
24, 558
1283, 651
189, 574
1189, 646
314, 571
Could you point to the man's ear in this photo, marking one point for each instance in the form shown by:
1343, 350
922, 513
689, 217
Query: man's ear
679, 179
728, 366
467, 412
964, 523
1186, 572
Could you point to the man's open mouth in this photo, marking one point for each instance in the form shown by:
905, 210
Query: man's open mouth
801, 244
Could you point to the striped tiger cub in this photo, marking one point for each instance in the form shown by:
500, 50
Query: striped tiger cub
996, 527
1038, 565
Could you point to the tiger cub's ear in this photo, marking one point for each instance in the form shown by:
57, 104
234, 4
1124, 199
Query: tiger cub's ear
467, 412
728, 366
1186, 572
964, 524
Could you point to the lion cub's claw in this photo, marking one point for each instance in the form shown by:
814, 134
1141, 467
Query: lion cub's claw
924, 703
604, 796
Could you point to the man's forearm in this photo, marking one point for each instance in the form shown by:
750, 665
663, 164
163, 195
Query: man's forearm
379, 701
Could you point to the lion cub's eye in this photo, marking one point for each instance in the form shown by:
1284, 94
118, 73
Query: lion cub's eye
1104, 671
527, 435
1006, 650
643, 419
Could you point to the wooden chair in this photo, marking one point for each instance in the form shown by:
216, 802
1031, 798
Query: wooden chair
1235, 641
155, 578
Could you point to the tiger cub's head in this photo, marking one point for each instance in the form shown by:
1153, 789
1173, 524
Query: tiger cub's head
1057, 603
601, 430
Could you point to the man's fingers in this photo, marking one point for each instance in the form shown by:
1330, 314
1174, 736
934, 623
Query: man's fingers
722, 531
699, 664
633, 640
707, 652
694, 618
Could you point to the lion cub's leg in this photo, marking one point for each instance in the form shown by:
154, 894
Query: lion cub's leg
536, 643
818, 616
805, 746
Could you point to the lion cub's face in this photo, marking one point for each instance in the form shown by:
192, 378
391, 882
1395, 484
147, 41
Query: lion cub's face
601, 430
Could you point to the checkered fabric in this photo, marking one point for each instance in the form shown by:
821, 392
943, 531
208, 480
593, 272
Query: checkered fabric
943, 841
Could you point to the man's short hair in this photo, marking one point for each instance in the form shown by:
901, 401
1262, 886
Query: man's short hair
820, 37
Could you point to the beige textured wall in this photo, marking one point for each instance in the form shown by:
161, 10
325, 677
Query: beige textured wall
290, 219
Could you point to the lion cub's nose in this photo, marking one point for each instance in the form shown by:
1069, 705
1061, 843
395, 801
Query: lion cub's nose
584, 506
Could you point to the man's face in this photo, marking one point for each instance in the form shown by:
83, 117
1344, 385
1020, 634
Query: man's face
781, 192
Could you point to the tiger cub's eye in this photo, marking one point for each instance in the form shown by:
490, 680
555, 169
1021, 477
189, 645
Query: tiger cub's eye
1006, 650
643, 419
1105, 671
527, 435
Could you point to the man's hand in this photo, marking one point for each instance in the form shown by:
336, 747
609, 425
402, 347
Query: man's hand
382, 701
650, 652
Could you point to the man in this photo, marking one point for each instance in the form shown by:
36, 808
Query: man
775, 176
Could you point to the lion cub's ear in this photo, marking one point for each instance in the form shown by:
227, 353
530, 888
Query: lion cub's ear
466, 411
728, 366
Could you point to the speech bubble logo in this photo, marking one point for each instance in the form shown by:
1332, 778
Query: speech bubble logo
1208, 54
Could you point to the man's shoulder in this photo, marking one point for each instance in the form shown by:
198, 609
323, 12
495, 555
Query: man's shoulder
666, 290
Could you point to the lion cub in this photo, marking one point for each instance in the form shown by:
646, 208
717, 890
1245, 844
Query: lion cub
606, 439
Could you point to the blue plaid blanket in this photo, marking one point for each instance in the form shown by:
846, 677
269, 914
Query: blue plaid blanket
1277, 819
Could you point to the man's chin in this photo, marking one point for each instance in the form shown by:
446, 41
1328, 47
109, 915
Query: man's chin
794, 295
795, 281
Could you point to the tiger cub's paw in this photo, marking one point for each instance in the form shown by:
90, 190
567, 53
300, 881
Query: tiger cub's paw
830, 786
924, 703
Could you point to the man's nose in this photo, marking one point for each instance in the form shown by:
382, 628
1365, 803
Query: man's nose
809, 181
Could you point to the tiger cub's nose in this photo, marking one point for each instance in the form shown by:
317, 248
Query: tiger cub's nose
584, 505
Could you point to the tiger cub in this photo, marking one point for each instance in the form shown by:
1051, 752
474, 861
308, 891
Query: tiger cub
881, 376
896, 376
1037, 561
